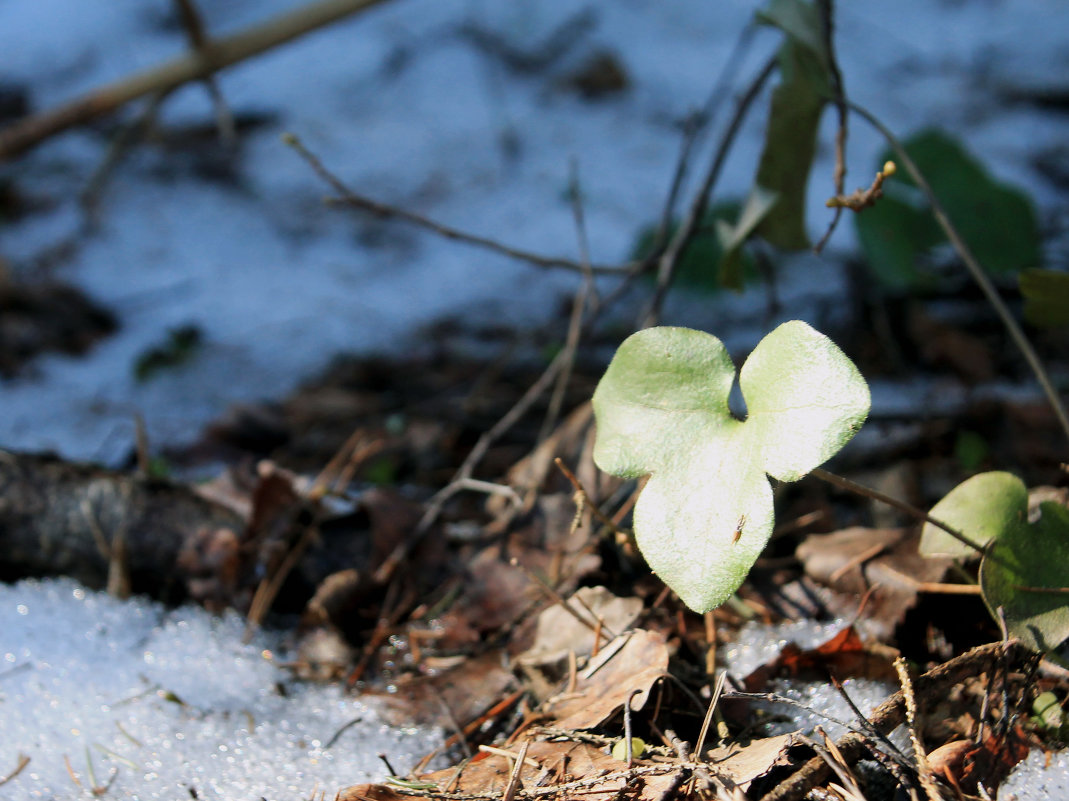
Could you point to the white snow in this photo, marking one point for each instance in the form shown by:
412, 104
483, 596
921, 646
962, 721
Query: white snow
405, 109
85, 678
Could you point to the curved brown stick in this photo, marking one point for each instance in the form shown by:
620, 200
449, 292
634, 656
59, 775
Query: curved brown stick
892, 712
212, 56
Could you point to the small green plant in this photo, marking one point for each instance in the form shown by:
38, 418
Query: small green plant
179, 347
706, 512
1024, 570
702, 264
994, 219
662, 410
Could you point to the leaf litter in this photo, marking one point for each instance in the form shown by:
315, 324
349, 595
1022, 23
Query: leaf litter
462, 622
471, 632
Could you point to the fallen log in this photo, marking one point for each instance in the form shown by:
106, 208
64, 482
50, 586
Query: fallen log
83, 521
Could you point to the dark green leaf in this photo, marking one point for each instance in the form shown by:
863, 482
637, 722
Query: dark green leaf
1046, 297
1026, 573
997, 222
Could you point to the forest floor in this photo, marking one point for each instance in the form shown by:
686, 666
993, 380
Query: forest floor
428, 524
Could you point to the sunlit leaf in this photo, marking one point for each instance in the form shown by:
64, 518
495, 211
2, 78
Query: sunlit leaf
662, 409
981, 508
733, 237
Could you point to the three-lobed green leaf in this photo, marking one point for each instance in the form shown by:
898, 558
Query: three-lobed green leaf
662, 409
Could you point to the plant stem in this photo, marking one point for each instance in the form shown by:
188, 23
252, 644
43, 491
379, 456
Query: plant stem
669, 260
973, 266
910, 509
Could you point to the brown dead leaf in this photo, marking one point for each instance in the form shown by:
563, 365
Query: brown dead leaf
495, 593
991, 762
560, 633
633, 661
451, 698
843, 656
743, 763
566, 770
882, 563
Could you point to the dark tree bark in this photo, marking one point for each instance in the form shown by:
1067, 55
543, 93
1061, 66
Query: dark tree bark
78, 520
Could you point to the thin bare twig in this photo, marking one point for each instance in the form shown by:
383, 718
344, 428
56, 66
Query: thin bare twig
718, 691
347, 197
696, 124
910, 509
587, 293
220, 53
826, 9
666, 265
198, 39
120, 145
581, 491
891, 713
972, 265
514, 780
20, 764
596, 624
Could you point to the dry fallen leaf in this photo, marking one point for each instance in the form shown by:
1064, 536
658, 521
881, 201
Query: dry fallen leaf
743, 763
560, 633
882, 563
579, 770
633, 661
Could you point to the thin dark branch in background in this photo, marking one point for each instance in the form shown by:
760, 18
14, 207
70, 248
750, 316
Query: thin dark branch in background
555, 46
349, 198
119, 147
973, 266
826, 9
697, 123
198, 39
135, 131
668, 261
223, 52
586, 295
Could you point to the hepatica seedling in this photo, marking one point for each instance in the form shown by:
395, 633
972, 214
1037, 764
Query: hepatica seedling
662, 410
1025, 566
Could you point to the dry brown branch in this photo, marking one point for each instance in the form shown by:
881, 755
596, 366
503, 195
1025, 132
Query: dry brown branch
20, 764
892, 712
861, 198
199, 41
44, 527
696, 124
348, 197
216, 54
826, 9
584, 297
666, 265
